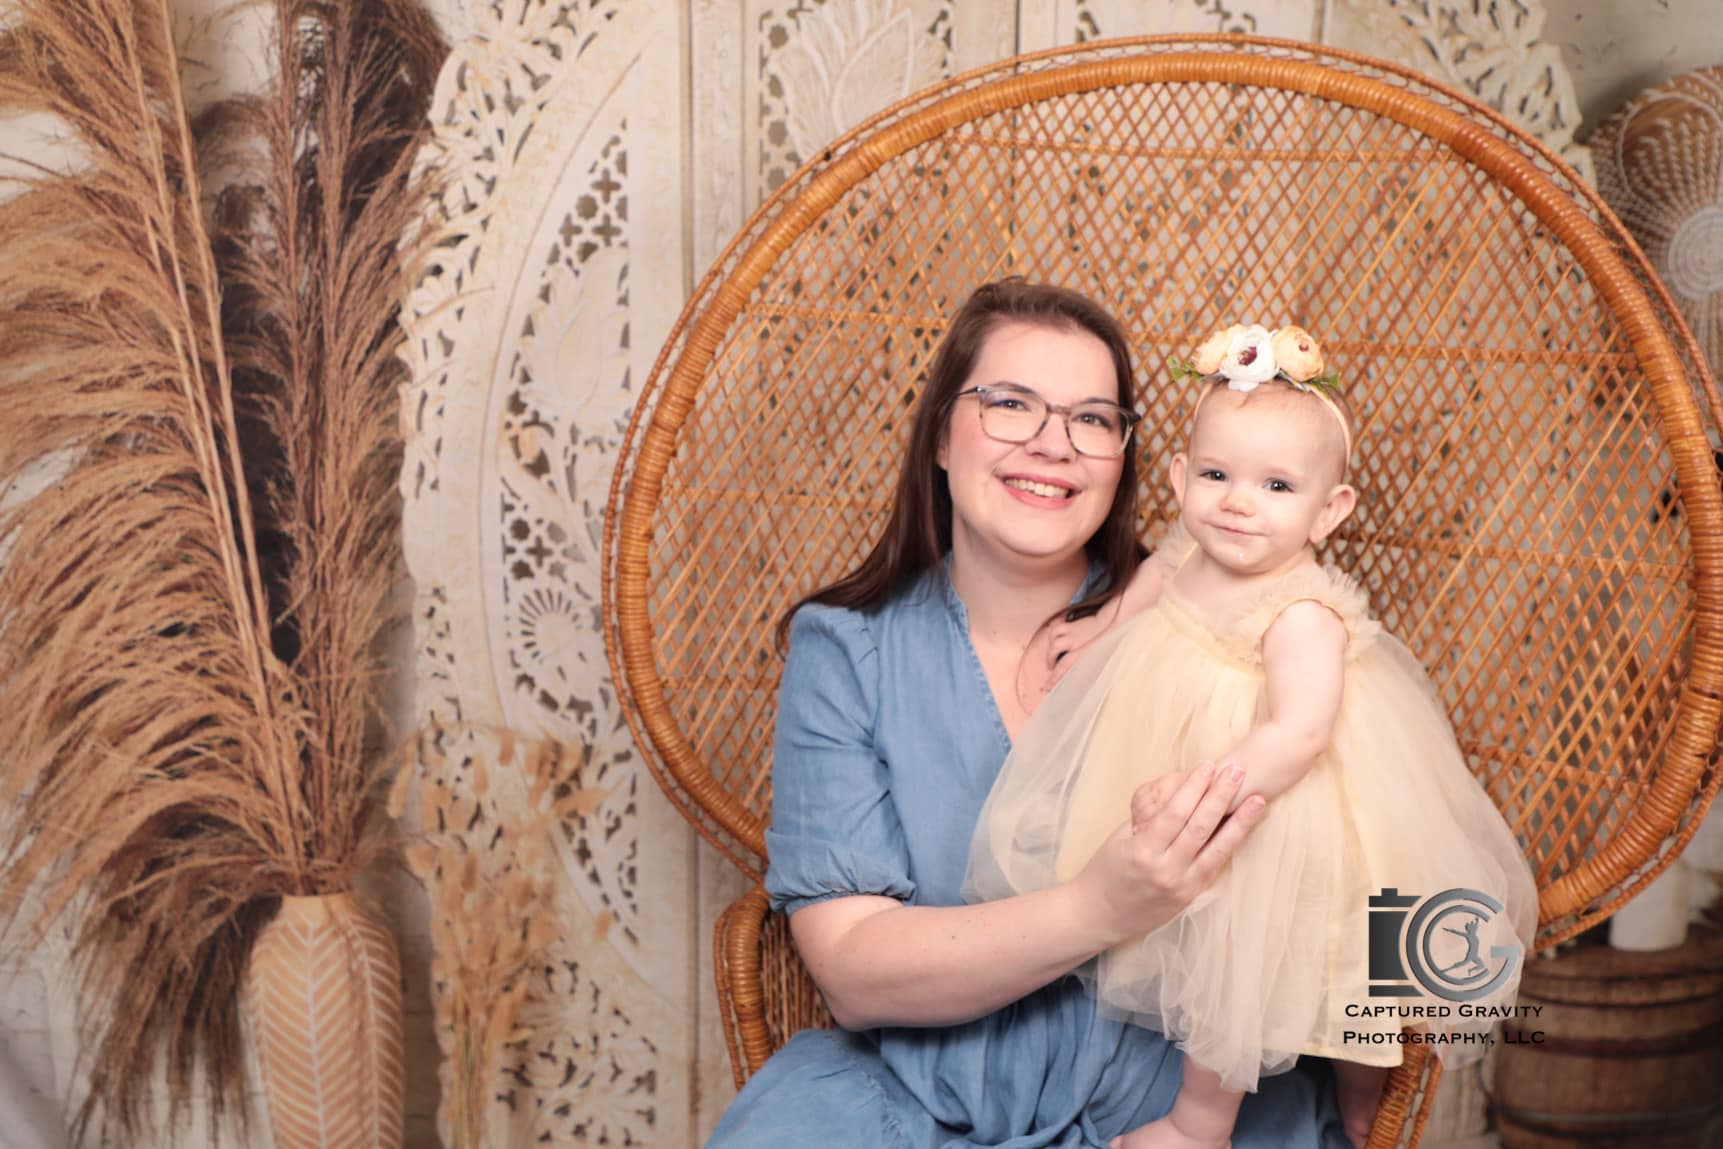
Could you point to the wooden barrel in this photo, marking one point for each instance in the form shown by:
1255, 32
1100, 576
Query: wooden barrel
1626, 1050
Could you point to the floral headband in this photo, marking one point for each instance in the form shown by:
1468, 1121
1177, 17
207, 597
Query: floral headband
1247, 357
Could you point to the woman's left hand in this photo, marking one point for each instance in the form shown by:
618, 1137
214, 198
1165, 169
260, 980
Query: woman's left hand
1146, 874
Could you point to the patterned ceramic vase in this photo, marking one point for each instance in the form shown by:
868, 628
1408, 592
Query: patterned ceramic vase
326, 1011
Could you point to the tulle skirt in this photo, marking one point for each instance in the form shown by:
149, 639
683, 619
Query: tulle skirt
1274, 959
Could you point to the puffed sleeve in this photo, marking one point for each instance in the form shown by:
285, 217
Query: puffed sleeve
1330, 586
834, 827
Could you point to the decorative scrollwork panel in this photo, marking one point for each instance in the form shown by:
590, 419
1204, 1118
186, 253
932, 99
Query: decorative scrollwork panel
564, 149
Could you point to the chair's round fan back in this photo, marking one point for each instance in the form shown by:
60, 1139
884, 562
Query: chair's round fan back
1540, 516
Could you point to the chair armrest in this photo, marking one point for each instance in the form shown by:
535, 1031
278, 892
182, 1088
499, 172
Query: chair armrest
765, 995
1406, 1099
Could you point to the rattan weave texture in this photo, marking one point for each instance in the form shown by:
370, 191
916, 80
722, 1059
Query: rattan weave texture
1540, 521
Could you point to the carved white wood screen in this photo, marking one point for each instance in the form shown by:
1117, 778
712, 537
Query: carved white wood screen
602, 152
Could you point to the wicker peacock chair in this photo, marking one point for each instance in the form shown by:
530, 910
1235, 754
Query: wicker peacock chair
1541, 518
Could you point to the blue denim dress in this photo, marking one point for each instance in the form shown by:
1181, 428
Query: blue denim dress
888, 741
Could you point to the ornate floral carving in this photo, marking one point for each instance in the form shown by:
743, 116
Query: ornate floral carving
594, 1079
826, 65
1093, 22
1491, 49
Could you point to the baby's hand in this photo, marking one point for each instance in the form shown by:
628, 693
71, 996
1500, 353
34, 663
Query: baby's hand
1068, 638
1152, 795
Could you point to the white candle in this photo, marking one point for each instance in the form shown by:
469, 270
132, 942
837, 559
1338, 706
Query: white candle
1656, 918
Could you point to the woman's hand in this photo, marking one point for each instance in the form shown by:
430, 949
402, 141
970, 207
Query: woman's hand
1173, 847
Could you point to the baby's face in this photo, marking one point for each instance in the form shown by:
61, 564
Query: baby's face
1261, 479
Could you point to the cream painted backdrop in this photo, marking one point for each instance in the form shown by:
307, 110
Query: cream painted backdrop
603, 152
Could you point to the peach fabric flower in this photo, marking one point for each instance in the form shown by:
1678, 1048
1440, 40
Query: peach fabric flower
1297, 354
1208, 356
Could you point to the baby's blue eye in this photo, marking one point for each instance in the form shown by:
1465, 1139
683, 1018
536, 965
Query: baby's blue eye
1280, 485
1212, 476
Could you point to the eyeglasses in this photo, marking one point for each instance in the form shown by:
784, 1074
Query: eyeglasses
1013, 414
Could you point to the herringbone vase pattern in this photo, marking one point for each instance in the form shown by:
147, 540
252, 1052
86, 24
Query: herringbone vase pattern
326, 1007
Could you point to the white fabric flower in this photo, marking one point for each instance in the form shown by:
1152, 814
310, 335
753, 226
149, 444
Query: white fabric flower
1249, 359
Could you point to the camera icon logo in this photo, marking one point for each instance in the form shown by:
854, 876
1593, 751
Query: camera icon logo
1435, 945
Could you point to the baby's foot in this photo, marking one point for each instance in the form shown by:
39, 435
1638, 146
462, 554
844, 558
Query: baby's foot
1357, 1123
1358, 1088
1164, 1134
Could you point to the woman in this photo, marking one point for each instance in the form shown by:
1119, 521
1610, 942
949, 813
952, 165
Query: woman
904, 685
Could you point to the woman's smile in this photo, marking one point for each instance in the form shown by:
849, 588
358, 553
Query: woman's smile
1040, 490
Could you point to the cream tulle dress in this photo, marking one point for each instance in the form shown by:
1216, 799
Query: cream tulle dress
1264, 965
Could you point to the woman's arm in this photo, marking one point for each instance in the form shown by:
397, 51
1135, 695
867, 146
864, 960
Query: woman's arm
1304, 662
880, 962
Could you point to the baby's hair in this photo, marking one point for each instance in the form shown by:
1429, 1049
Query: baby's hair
1330, 398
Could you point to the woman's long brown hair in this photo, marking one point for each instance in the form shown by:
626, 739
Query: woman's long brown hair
918, 533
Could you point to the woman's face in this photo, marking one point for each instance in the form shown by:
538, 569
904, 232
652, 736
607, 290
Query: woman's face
1035, 503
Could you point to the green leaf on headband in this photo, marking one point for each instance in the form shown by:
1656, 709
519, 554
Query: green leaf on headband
1182, 370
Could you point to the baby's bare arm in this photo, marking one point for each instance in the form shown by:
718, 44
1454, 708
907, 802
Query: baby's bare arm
1304, 660
1141, 592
